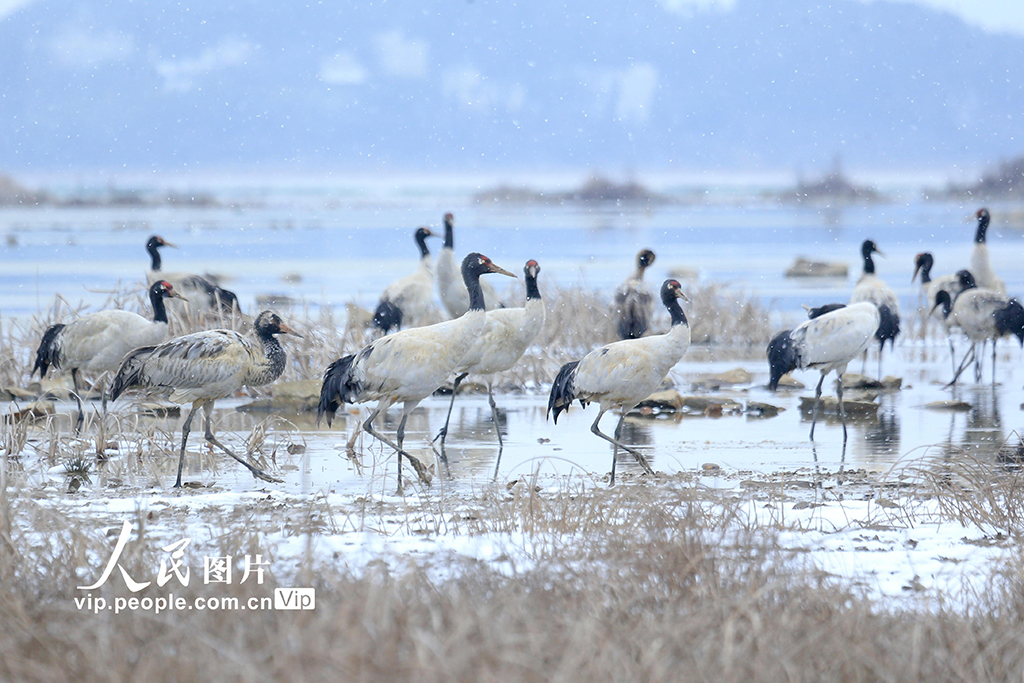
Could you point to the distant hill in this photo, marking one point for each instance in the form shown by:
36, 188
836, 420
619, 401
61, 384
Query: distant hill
462, 85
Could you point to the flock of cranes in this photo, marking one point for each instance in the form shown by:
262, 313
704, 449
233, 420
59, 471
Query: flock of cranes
484, 337
835, 334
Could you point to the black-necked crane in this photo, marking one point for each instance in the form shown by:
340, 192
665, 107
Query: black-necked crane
202, 294
981, 268
406, 300
407, 366
623, 373
507, 334
871, 288
96, 343
825, 343
634, 301
953, 284
450, 286
983, 315
930, 286
202, 367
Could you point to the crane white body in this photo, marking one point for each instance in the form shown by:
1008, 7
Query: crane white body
634, 301
981, 268
201, 367
826, 344
623, 373
407, 366
407, 300
982, 315
96, 343
506, 334
871, 289
414, 293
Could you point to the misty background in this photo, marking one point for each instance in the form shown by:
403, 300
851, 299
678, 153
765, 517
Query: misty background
485, 85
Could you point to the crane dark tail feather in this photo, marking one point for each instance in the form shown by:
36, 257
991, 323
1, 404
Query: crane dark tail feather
888, 327
47, 354
228, 300
1010, 320
387, 316
783, 357
338, 387
129, 374
819, 311
563, 391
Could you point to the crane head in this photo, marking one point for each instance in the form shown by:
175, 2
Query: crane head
269, 322
670, 290
922, 262
165, 289
156, 241
943, 299
869, 248
966, 280
531, 269
782, 358
645, 258
477, 264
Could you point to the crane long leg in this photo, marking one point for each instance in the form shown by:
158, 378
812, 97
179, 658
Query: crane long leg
839, 395
185, 429
256, 472
443, 434
636, 454
952, 353
401, 439
415, 462
977, 363
817, 399
963, 365
994, 362
78, 399
497, 425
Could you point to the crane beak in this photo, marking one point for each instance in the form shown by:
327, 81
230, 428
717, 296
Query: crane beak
284, 329
175, 294
879, 252
681, 295
493, 268
165, 243
916, 270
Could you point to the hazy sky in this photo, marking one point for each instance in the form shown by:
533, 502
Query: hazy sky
994, 15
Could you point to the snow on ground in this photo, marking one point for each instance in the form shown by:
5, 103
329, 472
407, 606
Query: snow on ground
904, 558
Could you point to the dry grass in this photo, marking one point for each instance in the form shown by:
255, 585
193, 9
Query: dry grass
578, 320
635, 583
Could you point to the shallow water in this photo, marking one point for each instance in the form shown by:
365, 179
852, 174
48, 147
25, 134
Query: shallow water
326, 248
329, 246
903, 430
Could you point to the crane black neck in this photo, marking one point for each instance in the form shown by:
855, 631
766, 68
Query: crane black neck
154, 255
532, 291
979, 236
449, 234
156, 298
869, 264
674, 309
476, 293
943, 299
421, 242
